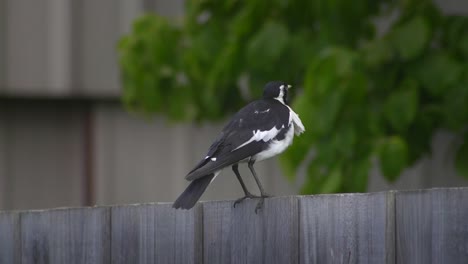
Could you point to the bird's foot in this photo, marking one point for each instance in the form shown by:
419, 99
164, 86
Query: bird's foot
261, 202
247, 196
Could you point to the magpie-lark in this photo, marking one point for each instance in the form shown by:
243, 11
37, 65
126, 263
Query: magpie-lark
260, 130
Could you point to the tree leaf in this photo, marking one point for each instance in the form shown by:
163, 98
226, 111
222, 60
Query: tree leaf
332, 182
455, 107
411, 37
455, 33
314, 176
265, 48
344, 140
328, 80
420, 134
357, 88
463, 45
358, 175
393, 157
377, 53
461, 159
322, 179
402, 105
437, 71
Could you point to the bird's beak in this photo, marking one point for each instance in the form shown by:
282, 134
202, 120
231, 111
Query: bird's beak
289, 86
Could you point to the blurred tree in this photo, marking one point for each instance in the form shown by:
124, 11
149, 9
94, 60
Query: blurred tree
364, 93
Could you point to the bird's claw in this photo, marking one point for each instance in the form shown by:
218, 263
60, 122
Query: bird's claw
251, 196
261, 202
247, 196
259, 205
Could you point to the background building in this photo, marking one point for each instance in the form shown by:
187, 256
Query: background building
65, 139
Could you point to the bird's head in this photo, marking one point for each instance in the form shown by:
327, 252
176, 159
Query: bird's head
276, 90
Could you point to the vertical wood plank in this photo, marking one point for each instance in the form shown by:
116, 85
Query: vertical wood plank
271, 236
156, 233
432, 226
79, 235
347, 228
217, 231
10, 243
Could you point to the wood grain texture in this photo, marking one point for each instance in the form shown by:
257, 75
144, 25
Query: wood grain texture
217, 236
156, 233
241, 236
432, 226
346, 228
78, 235
10, 242
425, 226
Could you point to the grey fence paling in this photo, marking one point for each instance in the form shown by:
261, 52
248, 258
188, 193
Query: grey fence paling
423, 226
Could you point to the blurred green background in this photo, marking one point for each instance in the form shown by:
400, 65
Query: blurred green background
373, 80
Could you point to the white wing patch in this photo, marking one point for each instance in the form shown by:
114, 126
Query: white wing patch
298, 126
261, 135
276, 146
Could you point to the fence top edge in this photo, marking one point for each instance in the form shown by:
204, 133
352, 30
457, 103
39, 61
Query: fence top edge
435, 189
202, 203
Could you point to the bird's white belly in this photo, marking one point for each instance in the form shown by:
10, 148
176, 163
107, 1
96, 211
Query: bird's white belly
276, 146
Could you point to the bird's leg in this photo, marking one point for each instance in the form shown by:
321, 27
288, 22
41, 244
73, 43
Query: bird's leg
235, 168
263, 195
262, 191
246, 192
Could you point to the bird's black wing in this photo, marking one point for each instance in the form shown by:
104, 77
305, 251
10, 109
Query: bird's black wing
244, 136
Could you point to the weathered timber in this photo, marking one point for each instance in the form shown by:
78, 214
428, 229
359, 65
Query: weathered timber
239, 235
422, 226
10, 242
432, 226
78, 235
156, 233
347, 228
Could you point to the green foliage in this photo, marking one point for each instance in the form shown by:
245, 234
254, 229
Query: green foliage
416, 30
393, 156
361, 95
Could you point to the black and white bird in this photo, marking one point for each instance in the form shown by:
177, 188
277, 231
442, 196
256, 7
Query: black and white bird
260, 130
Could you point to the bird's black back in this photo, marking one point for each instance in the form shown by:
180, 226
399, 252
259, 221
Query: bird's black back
262, 115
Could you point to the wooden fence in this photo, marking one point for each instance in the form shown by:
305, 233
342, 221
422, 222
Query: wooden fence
423, 226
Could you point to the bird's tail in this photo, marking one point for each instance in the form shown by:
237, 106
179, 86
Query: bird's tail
193, 192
